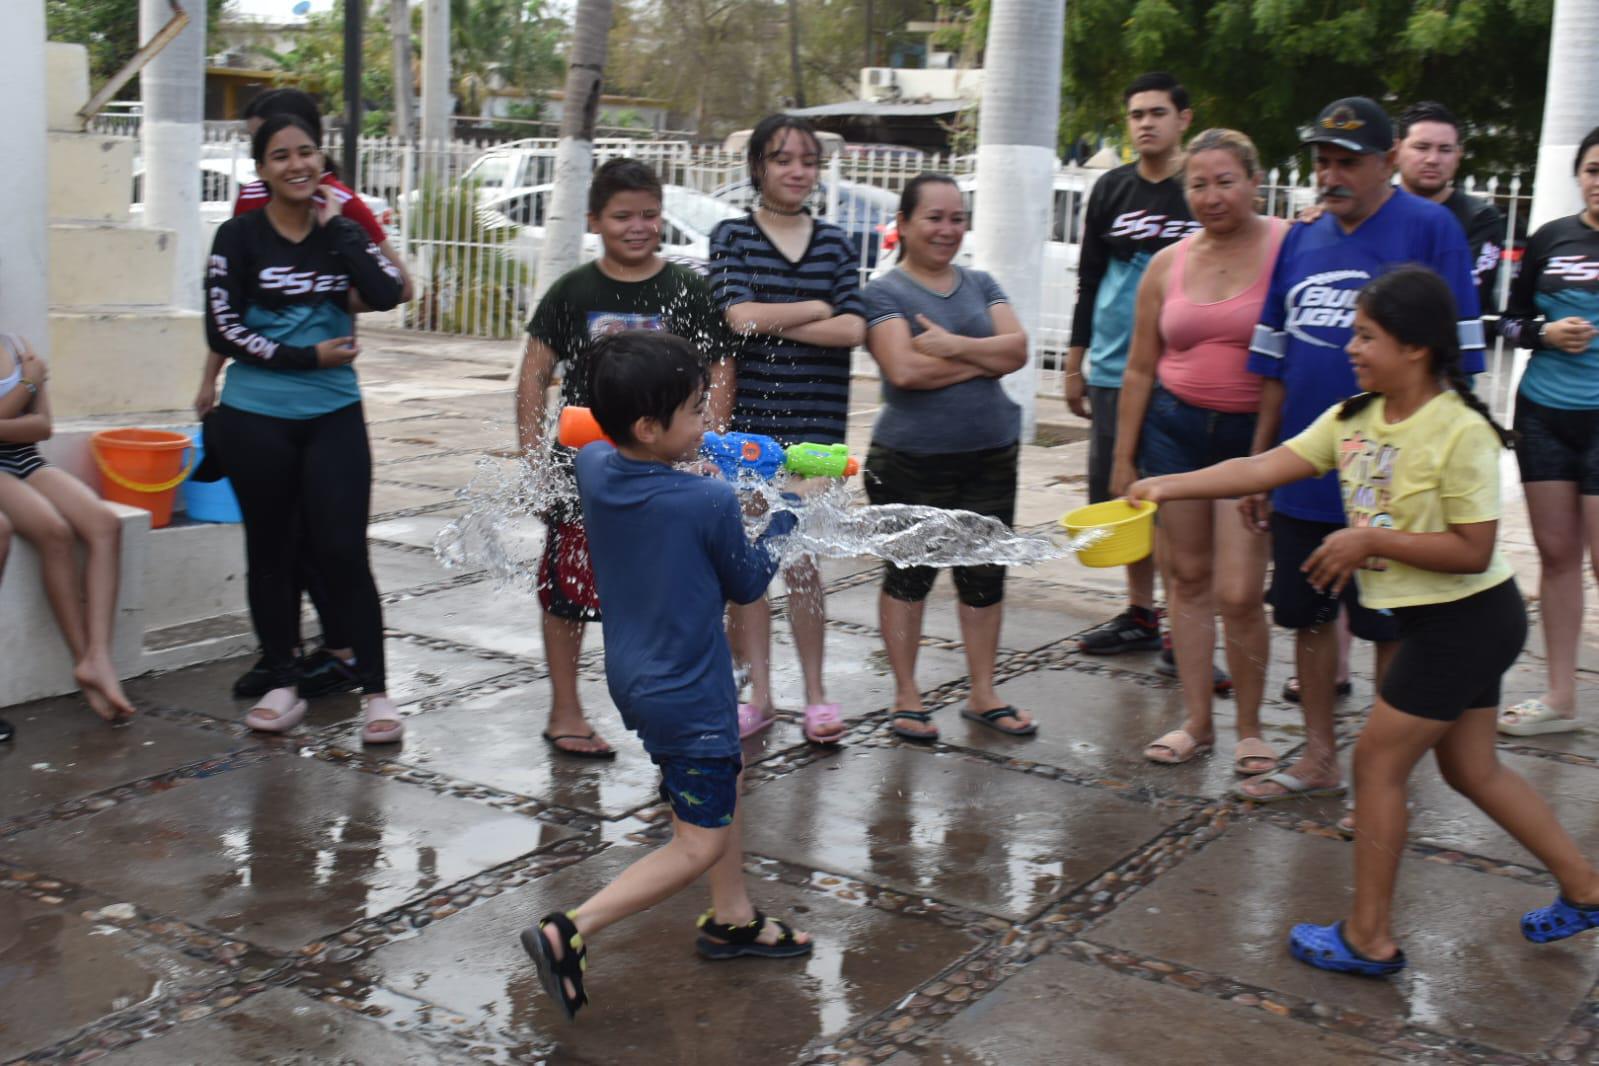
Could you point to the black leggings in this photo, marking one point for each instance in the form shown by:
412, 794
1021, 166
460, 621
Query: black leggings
304, 485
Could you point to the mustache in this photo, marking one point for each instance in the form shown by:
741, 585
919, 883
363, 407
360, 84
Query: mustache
1335, 190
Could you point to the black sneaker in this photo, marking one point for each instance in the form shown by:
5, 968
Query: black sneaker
1128, 631
254, 682
6, 731
322, 674
1166, 666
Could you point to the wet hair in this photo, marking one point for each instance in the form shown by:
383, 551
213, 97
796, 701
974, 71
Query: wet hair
1414, 305
1158, 81
621, 175
1425, 111
769, 131
1225, 140
1589, 142
641, 373
910, 198
275, 125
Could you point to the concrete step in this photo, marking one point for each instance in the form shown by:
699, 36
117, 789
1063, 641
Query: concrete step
112, 359
91, 260
91, 177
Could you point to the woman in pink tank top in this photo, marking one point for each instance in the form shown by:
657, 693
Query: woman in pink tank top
1187, 401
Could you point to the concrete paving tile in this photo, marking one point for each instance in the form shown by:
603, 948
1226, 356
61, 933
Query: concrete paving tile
1229, 908
62, 750
388, 497
856, 671
1439, 815
448, 472
448, 432
463, 402
285, 1028
1021, 1023
60, 971
1035, 614
420, 531
397, 570
503, 620
1098, 726
652, 999
945, 826
281, 852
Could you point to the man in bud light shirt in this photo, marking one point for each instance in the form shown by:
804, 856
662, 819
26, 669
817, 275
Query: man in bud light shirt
1367, 227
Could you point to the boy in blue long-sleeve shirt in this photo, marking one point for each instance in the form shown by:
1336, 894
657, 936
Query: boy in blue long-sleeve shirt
668, 551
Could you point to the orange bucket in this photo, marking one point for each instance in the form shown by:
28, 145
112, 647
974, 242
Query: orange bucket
142, 468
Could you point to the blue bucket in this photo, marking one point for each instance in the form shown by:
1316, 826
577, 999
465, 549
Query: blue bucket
209, 501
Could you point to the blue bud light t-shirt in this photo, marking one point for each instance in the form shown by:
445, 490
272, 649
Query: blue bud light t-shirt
1309, 317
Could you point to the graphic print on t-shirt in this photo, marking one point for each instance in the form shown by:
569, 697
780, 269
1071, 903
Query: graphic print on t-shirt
1366, 473
604, 324
1321, 309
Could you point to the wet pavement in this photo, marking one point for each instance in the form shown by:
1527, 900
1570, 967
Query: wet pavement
183, 891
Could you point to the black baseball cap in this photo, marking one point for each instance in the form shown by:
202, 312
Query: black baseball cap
1355, 122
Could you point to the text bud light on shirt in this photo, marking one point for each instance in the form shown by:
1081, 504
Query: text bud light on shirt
1321, 309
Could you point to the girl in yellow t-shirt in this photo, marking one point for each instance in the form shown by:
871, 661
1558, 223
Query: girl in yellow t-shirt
1417, 456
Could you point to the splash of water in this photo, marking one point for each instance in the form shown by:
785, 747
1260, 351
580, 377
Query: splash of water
507, 497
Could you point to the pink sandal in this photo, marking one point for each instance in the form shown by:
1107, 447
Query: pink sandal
280, 722
380, 727
752, 721
823, 714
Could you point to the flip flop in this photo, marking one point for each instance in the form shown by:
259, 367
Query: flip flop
752, 721
579, 753
1253, 748
1532, 718
281, 722
820, 714
915, 716
991, 720
1180, 743
1558, 920
1324, 947
1293, 788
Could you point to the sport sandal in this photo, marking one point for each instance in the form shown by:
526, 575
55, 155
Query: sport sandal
732, 941
554, 973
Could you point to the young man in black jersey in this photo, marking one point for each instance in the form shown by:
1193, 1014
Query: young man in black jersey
1429, 155
1133, 212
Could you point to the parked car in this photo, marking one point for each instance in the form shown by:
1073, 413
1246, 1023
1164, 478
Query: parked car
517, 165
687, 218
863, 210
220, 181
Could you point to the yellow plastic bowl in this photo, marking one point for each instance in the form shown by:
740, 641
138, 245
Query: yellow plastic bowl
1129, 531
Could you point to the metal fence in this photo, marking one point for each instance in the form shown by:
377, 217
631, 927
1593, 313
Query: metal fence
468, 215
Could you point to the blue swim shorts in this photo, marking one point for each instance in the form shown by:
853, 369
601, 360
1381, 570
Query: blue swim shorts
702, 792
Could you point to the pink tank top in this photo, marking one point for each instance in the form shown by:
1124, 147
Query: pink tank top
1207, 345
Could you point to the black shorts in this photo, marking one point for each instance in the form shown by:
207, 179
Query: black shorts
1452, 656
1102, 405
983, 482
1557, 444
1296, 603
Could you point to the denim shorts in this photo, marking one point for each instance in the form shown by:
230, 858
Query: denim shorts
1178, 437
702, 792
1557, 444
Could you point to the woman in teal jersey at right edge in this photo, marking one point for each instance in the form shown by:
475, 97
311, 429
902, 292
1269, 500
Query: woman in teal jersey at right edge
1554, 310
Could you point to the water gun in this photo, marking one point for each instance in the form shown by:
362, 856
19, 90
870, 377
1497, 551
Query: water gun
731, 452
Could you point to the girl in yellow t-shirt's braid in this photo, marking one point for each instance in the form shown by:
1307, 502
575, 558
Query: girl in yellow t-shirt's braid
1417, 456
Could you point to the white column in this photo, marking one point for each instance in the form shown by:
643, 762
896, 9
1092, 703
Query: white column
1016, 161
435, 72
24, 225
172, 88
1570, 107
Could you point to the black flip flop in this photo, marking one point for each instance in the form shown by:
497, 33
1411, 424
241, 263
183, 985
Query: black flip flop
608, 753
991, 720
915, 716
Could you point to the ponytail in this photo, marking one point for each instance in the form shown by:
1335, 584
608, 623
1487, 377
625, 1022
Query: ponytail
1413, 305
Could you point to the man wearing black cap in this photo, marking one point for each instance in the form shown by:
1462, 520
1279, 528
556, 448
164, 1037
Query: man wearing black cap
1366, 228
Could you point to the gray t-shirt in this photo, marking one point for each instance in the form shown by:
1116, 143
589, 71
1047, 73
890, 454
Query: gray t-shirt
970, 416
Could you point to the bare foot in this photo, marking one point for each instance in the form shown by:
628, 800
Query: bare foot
1018, 720
1314, 775
97, 679
575, 733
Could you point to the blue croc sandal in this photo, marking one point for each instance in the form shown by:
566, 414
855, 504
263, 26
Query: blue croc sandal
1557, 921
1324, 947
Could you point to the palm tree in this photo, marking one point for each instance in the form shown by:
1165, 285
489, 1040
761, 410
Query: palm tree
574, 154
1016, 153
1570, 106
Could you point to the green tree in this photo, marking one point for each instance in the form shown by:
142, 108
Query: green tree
505, 45
1267, 66
110, 30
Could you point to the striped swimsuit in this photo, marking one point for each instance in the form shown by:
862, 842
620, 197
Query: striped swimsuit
787, 389
18, 460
